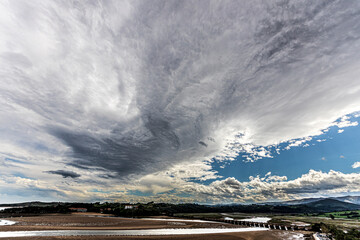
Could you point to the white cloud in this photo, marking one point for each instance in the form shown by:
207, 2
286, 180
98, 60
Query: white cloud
345, 122
313, 183
356, 165
298, 142
127, 89
340, 130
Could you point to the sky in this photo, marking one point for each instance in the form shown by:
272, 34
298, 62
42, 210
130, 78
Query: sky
179, 101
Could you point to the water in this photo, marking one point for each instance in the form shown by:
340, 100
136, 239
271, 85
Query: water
177, 220
145, 232
6, 222
256, 219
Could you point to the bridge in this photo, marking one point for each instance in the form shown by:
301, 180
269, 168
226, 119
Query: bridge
285, 227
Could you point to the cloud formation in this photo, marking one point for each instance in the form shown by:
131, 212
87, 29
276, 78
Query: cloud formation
125, 89
259, 189
65, 174
356, 165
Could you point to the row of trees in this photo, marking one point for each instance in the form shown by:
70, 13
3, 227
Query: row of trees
159, 208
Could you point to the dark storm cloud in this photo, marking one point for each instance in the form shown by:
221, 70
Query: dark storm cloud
179, 54
136, 87
65, 173
120, 154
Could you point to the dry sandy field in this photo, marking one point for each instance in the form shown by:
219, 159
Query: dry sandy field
90, 221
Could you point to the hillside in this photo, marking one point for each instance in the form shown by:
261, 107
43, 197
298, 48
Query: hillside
315, 206
349, 199
329, 205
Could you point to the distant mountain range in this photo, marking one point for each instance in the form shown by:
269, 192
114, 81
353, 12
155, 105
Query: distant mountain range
331, 205
347, 199
308, 205
318, 204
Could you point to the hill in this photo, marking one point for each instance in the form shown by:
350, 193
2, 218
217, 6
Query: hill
349, 199
331, 205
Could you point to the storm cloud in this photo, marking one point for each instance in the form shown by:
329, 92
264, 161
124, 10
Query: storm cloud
64, 173
132, 88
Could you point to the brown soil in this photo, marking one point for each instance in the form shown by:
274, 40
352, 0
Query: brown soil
268, 235
97, 222
89, 221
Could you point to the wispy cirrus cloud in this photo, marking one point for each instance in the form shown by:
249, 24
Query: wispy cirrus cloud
122, 90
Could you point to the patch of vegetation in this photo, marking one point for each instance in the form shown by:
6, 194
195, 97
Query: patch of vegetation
335, 232
341, 223
36, 210
343, 214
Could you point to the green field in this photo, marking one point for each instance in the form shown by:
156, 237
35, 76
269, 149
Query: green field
344, 214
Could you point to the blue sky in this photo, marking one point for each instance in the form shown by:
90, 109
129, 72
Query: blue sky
329, 151
179, 101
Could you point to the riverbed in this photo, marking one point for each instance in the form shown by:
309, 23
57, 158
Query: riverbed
144, 232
